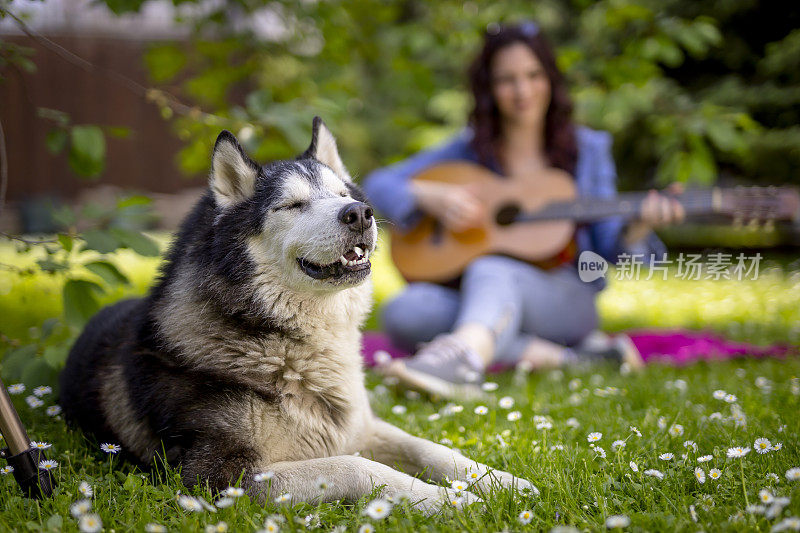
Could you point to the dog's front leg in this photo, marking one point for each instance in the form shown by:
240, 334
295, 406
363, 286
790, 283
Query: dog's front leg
391, 445
349, 477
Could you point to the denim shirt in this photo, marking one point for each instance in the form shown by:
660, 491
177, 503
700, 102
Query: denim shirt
595, 176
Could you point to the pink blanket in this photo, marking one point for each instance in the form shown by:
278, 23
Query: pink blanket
676, 347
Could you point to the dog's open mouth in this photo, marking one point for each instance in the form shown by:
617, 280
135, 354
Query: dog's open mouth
354, 262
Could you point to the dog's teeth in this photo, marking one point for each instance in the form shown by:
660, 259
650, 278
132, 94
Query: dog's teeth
366, 254
351, 263
343, 260
359, 252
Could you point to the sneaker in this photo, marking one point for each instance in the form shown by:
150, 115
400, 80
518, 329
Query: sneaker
448, 358
444, 367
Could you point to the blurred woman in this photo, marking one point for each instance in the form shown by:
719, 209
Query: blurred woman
507, 310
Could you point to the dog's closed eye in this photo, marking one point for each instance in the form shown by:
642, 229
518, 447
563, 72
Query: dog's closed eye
299, 204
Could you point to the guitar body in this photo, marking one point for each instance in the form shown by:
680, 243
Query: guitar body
430, 252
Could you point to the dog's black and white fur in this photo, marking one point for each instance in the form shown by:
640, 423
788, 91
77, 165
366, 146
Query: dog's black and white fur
245, 357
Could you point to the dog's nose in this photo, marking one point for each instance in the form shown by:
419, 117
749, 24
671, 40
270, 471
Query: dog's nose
357, 216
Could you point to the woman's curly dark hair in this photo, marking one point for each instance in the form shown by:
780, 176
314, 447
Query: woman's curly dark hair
560, 146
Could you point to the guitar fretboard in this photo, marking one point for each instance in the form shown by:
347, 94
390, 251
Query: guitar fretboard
626, 205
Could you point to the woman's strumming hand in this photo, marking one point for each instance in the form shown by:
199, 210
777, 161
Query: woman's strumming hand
455, 206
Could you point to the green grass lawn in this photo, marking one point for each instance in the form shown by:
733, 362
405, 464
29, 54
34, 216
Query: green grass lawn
547, 442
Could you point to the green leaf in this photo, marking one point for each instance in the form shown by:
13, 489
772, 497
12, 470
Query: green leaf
48, 265
133, 200
66, 241
132, 483
108, 272
136, 241
49, 326
15, 360
55, 523
38, 372
56, 356
87, 150
80, 302
55, 140
120, 132
101, 240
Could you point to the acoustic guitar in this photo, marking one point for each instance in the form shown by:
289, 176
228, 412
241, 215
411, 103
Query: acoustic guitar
533, 218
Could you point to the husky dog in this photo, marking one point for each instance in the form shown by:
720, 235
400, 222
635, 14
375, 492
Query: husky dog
245, 356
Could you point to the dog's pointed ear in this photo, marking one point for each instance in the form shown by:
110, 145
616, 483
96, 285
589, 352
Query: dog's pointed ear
323, 149
233, 173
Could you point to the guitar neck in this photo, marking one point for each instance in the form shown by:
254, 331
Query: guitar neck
626, 205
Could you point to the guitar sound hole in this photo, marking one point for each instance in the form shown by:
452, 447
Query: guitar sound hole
507, 215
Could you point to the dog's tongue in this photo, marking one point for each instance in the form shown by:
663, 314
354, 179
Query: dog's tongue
351, 255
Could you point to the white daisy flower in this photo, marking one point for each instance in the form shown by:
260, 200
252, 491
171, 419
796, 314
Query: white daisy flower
662, 422
366, 528
666, 456
719, 394
762, 445
220, 527
451, 409
715, 473
40, 445
525, 517
676, 430
693, 513
513, 416
704, 458
263, 476
33, 402
790, 523
617, 445
600, 451
42, 390
715, 416
738, 451
793, 474
399, 409
233, 492
86, 489
189, 503
6, 470
270, 526
633, 466
690, 444
556, 447
48, 464
53, 410
16, 388
655, 473
110, 448
544, 424
573, 423
379, 509
322, 484
284, 498
755, 509
489, 386
458, 486
506, 402
445, 441
730, 398
90, 523
481, 410
434, 417
636, 430
457, 502
152, 527
80, 508
777, 446
594, 436
772, 476
224, 503
617, 521
765, 496
700, 475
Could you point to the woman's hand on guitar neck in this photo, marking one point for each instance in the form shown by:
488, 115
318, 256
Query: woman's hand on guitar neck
455, 206
657, 210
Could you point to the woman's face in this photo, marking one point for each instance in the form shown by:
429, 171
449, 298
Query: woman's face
520, 85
